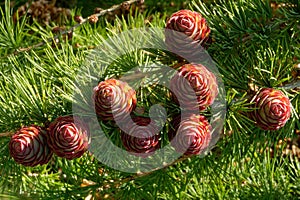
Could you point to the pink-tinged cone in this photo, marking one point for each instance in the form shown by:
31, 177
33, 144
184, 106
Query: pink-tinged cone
272, 109
194, 87
68, 138
28, 146
142, 138
186, 31
114, 100
191, 135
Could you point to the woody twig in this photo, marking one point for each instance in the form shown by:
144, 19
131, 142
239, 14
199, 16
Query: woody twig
123, 5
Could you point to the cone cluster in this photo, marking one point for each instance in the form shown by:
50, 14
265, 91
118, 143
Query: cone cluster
34, 145
194, 88
115, 101
186, 32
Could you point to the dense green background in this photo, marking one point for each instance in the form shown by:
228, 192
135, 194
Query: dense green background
252, 44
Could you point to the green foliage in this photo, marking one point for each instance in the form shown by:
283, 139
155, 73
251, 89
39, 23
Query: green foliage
12, 34
253, 46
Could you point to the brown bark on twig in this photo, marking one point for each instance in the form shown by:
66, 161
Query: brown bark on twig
85, 20
6, 134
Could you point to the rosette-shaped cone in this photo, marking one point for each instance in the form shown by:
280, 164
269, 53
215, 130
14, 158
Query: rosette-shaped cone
68, 137
28, 146
114, 100
186, 31
194, 87
190, 135
141, 138
272, 109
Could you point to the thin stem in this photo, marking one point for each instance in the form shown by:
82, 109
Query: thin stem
85, 20
292, 85
6, 134
142, 174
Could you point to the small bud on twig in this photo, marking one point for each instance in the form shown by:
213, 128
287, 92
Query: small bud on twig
93, 19
78, 19
125, 6
97, 10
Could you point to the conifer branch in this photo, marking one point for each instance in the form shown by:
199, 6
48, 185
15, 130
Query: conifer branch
70, 30
118, 183
292, 86
6, 134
